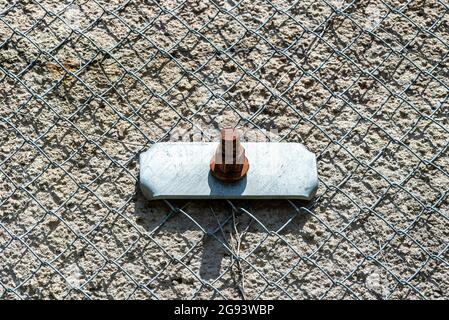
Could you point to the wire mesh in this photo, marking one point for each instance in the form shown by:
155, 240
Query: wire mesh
88, 85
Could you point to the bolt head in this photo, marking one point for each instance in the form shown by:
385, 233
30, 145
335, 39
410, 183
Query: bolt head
230, 176
224, 168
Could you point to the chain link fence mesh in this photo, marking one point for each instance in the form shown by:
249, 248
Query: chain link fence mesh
87, 85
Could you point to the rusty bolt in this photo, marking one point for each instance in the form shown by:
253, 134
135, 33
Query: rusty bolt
229, 162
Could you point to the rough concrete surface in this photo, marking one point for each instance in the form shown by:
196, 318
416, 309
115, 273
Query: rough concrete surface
87, 85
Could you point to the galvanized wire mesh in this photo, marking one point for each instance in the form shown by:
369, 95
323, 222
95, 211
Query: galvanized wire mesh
88, 85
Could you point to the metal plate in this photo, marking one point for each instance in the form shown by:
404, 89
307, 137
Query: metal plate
180, 170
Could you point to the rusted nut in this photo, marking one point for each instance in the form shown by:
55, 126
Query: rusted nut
229, 162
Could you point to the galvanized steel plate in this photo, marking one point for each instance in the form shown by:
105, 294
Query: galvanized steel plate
180, 170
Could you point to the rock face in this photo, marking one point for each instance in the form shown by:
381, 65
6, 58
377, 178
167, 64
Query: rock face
362, 84
181, 171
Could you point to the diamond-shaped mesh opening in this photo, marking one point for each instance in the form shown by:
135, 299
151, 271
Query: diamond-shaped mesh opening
86, 86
